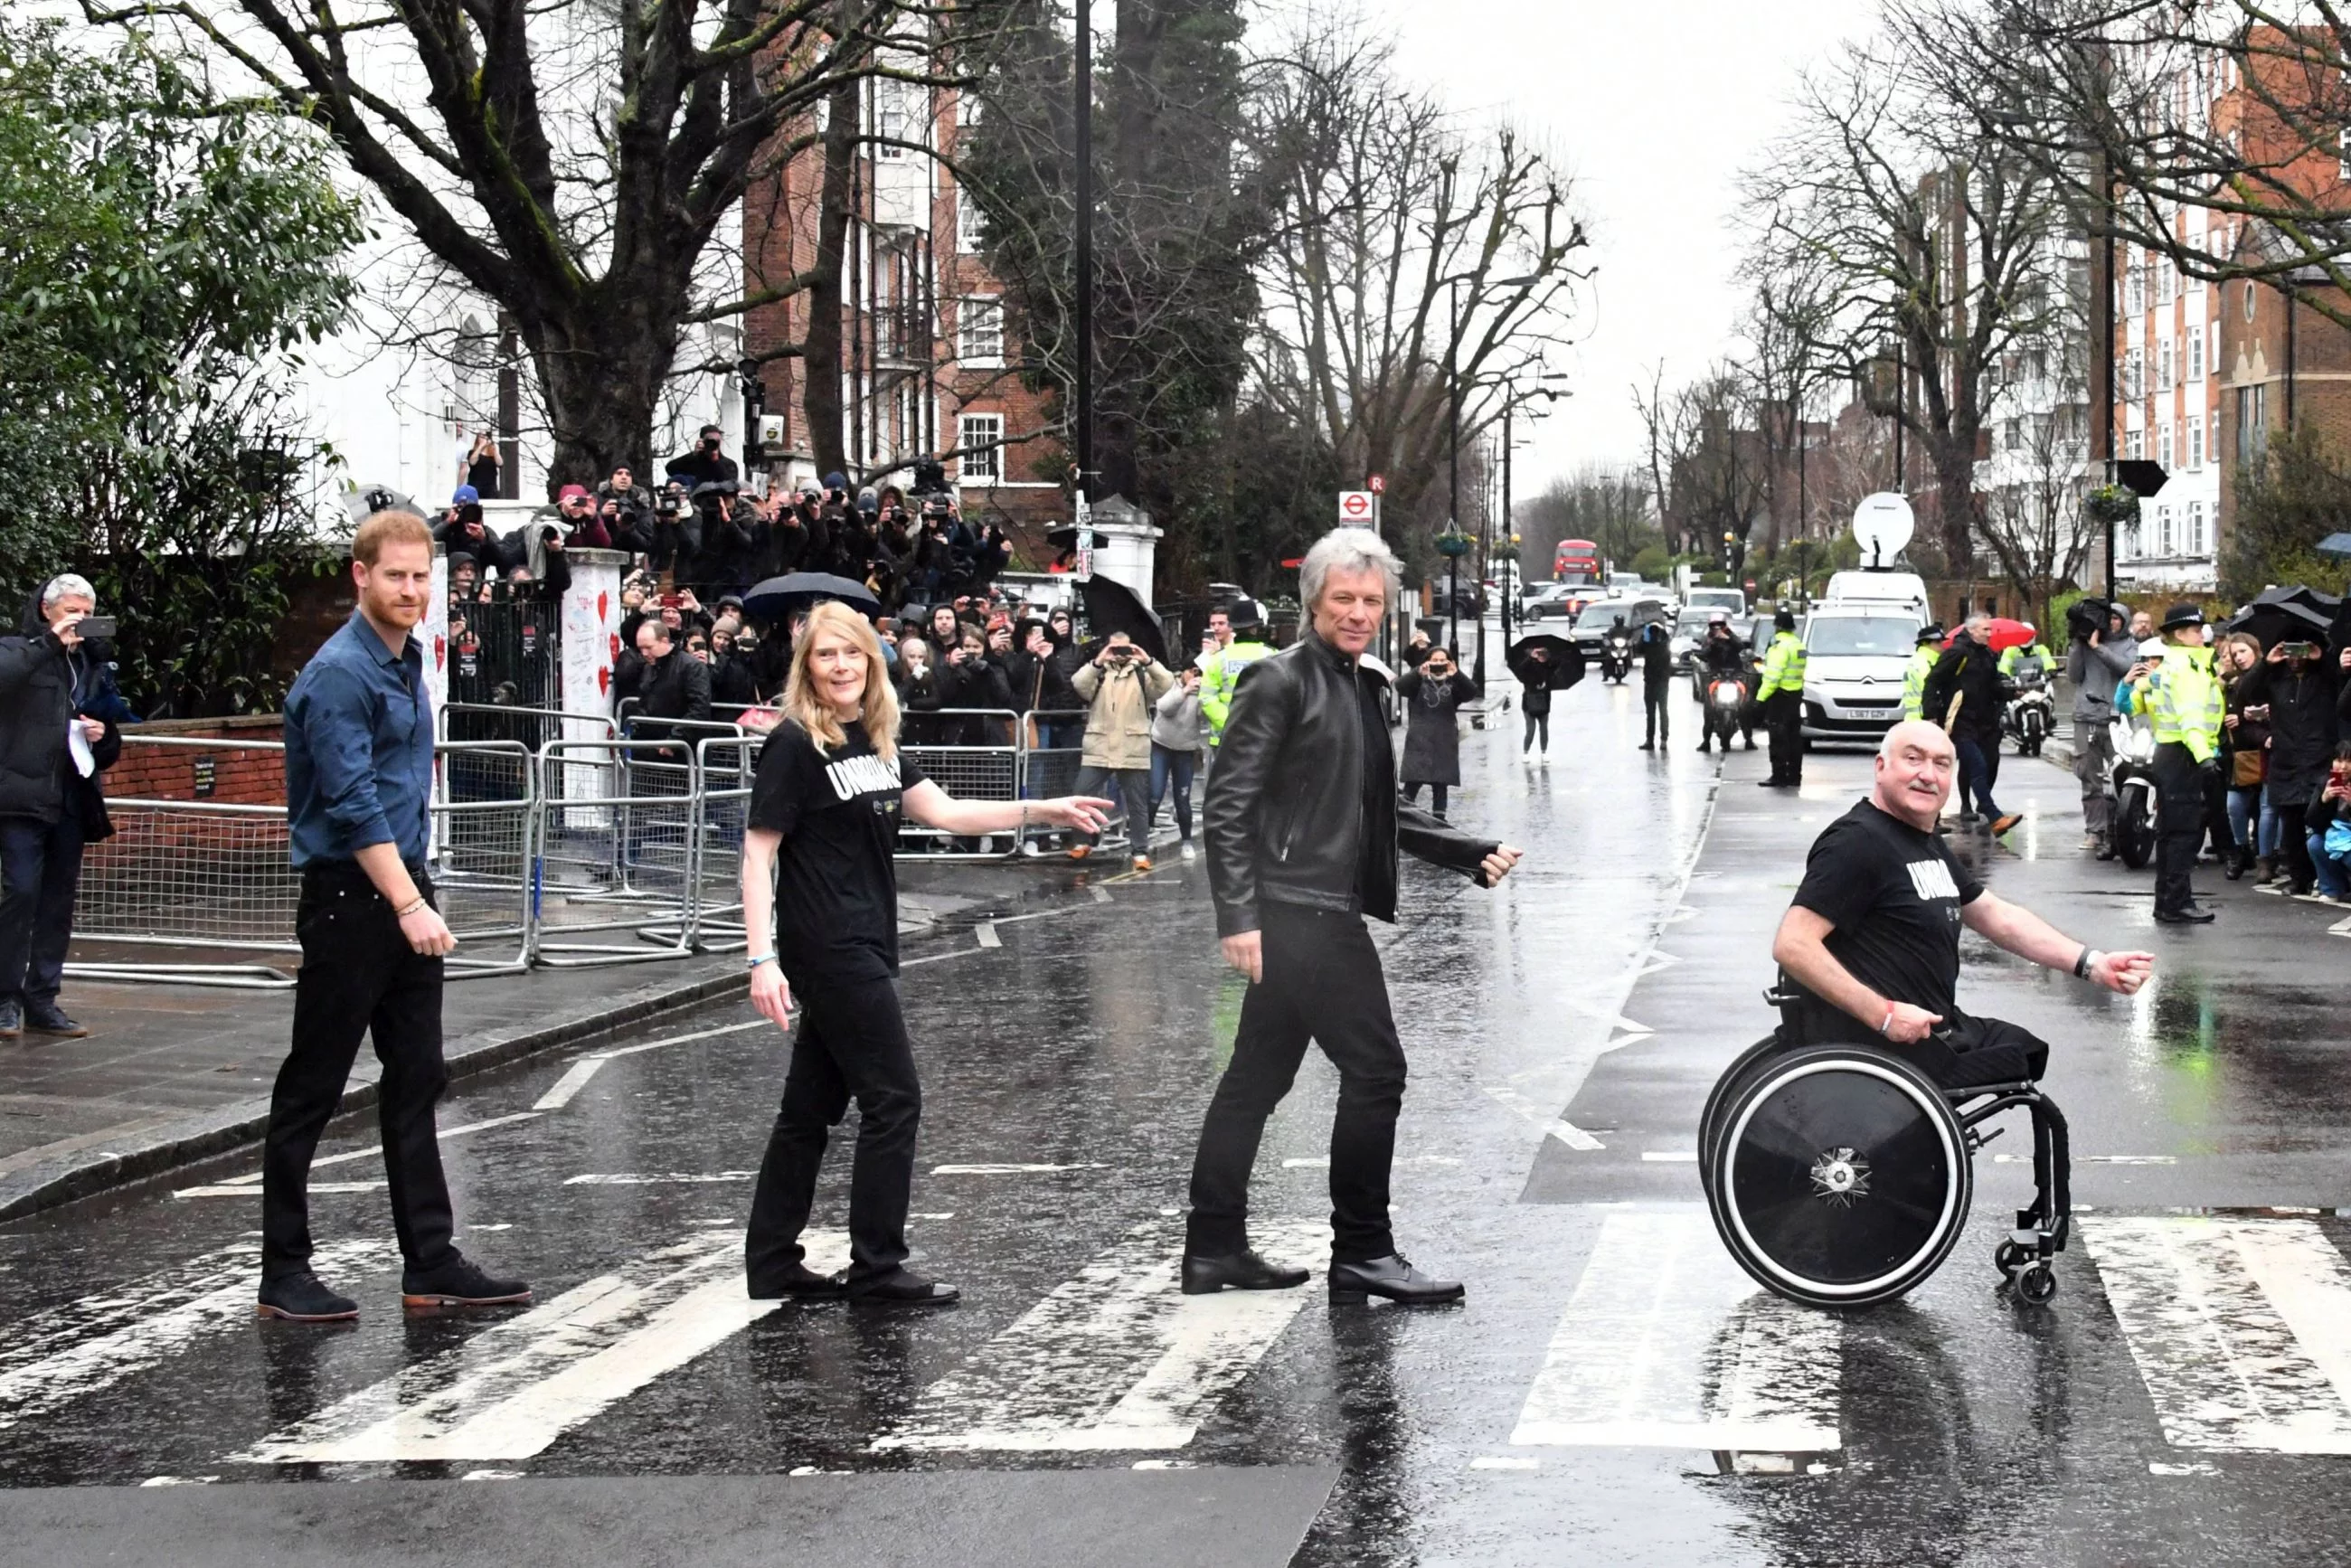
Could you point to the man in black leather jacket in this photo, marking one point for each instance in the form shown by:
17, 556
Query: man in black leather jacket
1302, 825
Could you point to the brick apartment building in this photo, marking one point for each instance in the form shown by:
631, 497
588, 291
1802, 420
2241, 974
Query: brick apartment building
929, 362
2207, 373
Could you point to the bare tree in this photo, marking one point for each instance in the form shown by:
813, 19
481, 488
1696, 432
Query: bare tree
1405, 256
570, 160
1936, 244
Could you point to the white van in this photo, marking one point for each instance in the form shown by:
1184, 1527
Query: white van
1903, 591
1855, 654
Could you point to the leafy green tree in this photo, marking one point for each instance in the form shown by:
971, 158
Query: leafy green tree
2288, 499
165, 256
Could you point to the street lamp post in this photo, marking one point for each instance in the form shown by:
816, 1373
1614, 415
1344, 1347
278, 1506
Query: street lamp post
1083, 280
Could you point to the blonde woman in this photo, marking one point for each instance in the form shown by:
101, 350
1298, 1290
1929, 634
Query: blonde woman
818, 875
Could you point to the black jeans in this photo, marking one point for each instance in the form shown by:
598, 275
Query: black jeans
2293, 849
1538, 724
1322, 982
358, 976
1436, 795
1784, 717
40, 876
851, 1045
1656, 699
2179, 790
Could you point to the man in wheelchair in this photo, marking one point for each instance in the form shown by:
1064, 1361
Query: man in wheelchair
1871, 943
1837, 1154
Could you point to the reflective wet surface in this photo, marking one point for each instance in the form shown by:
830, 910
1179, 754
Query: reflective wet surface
1613, 1388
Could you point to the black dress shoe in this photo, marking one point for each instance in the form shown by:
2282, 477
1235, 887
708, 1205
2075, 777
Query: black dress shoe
2190, 916
53, 1020
302, 1299
901, 1288
1648, 746
459, 1282
1242, 1271
796, 1280
1392, 1276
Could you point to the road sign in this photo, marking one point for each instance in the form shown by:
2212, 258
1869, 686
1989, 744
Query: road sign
1377, 483
1084, 564
1359, 507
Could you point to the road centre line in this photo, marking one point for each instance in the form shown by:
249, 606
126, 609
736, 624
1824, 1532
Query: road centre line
245, 1189
253, 1178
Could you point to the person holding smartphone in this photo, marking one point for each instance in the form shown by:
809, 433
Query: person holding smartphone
53, 686
820, 905
2300, 691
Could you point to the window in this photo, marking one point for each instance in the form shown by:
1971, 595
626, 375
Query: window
2195, 528
971, 223
980, 331
890, 121
2134, 373
983, 453
2343, 159
2194, 431
2134, 290
2163, 365
2135, 445
2249, 301
2163, 443
2252, 421
2163, 283
2162, 531
2195, 353
2011, 434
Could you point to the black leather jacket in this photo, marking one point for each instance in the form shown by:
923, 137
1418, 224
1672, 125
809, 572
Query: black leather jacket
1285, 818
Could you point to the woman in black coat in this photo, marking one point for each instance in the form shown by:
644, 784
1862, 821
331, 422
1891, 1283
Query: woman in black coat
1432, 696
2300, 693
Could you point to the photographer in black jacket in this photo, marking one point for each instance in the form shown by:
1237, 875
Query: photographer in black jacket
1303, 825
52, 750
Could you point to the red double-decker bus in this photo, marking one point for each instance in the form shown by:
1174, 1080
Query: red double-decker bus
1576, 561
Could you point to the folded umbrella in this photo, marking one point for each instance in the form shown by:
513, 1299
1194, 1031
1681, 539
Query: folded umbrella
776, 600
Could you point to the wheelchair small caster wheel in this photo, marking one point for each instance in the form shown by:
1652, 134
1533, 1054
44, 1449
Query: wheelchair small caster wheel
2037, 1283
2009, 1258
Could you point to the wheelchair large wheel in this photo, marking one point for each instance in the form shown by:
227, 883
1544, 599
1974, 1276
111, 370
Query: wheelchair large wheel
1709, 1119
1839, 1176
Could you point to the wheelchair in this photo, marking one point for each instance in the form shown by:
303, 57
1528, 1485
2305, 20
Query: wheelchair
1840, 1174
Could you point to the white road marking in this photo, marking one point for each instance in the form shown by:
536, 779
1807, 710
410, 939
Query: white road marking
238, 1189
654, 1178
1559, 1127
514, 1388
1665, 1343
56, 1356
1114, 1357
1669, 1157
575, 1078
2024, 1159
1101, 895
253, 1178
2240, 1328
984, 933
1504, 1462
1008, 1170
665, 1043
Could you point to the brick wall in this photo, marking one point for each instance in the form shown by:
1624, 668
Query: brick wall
227, 773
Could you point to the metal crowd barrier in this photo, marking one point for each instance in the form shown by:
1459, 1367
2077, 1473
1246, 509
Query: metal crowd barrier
572, 853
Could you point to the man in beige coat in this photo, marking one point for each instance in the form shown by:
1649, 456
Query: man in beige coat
1119, 687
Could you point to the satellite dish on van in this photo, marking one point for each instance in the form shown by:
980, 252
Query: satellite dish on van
1882, 525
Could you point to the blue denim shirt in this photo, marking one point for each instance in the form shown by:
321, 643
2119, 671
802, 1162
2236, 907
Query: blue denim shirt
359, 749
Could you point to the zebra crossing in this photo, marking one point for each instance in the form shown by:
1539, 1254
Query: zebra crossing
2238, 1325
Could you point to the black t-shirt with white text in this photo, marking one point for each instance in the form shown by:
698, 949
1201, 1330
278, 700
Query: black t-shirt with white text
836, 887
1894, 894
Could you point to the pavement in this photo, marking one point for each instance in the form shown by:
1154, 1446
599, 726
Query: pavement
1613, 1389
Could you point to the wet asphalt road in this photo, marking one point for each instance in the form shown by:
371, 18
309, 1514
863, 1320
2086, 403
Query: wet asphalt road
2186, 1397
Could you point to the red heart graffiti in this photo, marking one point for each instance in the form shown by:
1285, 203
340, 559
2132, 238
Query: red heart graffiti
603, 680
616, 647
603, 608
440, 652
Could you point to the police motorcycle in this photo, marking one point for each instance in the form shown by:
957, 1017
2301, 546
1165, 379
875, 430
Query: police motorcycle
2031, 711
2133, 803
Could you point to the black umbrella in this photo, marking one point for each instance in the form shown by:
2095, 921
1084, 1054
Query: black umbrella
1111, 606
2280, 622
775, 600
2309, 599
1565, 663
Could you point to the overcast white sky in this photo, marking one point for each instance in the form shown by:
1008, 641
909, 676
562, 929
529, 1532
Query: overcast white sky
1653, 105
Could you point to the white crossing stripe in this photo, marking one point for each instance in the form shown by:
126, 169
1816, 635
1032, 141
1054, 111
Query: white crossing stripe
575, 1078
236, 1189
253, 1178
654, 1178
1665, 1343
1008, 1170
1114, 1358
512, 1389
2241, 1327
56, 1356
985, 932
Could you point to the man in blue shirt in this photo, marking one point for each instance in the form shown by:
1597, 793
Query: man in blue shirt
358, 785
